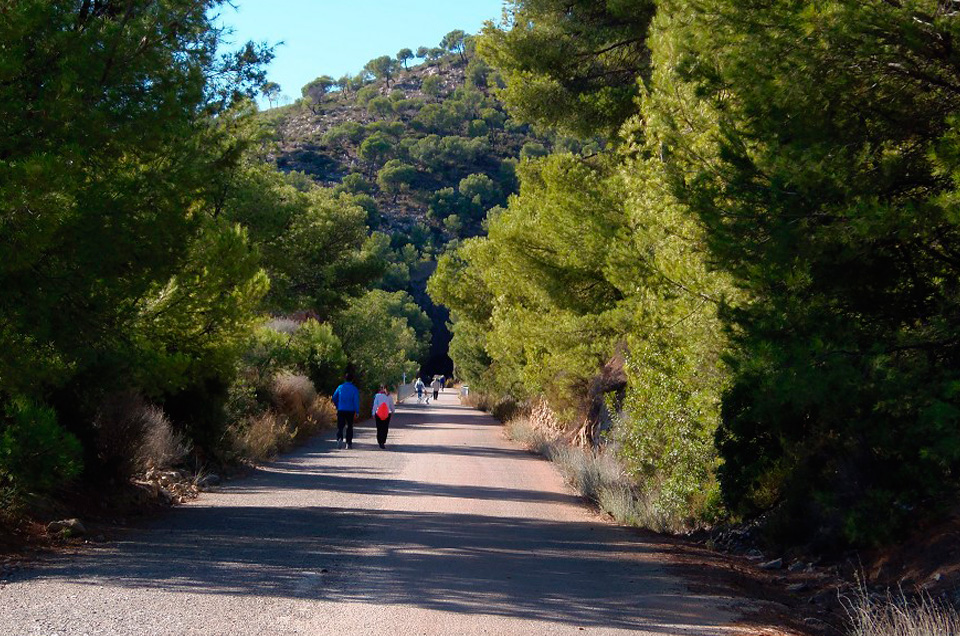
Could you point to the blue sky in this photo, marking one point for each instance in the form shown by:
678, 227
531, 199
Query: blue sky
333, 37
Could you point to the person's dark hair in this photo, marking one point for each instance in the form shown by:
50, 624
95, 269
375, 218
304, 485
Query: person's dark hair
348, 376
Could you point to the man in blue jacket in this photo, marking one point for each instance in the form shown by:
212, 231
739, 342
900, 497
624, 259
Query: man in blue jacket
347, 400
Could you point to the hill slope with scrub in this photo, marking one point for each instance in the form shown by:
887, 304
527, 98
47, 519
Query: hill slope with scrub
427, 149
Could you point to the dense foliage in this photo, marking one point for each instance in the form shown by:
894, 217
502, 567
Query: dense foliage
425, 149
826, 180
772, 244
144, 243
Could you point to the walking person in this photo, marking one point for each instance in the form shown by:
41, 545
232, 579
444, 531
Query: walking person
443, 383
420, 389
383, 409
347, 400
436, 387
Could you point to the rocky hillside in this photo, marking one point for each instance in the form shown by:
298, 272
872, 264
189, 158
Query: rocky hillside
429, 150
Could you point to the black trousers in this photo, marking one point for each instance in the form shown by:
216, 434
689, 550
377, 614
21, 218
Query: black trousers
436, 394
345, 420
383, 427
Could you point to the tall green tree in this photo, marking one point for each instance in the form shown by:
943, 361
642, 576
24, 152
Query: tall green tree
115, 124
271, 90
404, 56
818, 145
378, 337
381, 68
453, 42
318, 88
312, 243
574, 65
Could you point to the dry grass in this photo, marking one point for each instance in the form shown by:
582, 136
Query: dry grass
503, 409
134, 436
263, 436
895, 615
322, 416
298, 414
284, 325
293, 396
596, 474
162, 446
537, 429
478, 401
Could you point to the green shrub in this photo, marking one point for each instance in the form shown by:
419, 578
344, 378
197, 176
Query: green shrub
268, 352
36, 454
355, 183
381, 107
532, 150
365, 94
310, 348
319, 354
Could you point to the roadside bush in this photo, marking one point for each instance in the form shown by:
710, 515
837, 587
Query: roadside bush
536, 428
268, 351
162, 446
133, 436
534, 439
665, 430
898, 616
322, 416
261, 437
293, 396
309, 348
319, 354
36, 453
477, 400
598, 475
297, 414
505, 409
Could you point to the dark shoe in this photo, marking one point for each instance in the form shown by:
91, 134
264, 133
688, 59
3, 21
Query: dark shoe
349, 444
339, 443
383, 446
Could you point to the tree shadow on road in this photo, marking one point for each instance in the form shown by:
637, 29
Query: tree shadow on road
581, 573
572, 573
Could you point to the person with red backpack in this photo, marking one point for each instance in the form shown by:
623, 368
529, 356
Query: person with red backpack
383, 408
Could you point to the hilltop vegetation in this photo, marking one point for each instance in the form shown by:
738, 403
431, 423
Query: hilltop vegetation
428, 149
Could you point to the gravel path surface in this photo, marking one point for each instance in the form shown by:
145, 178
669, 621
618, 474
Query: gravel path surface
451, 530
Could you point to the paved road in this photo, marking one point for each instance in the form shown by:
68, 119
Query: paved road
451, 530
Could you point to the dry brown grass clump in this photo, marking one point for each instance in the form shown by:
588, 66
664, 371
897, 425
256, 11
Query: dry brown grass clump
263, 436
293, 396
322, 416
537, 429
478, 401
895, 615
297, 414
134, 436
